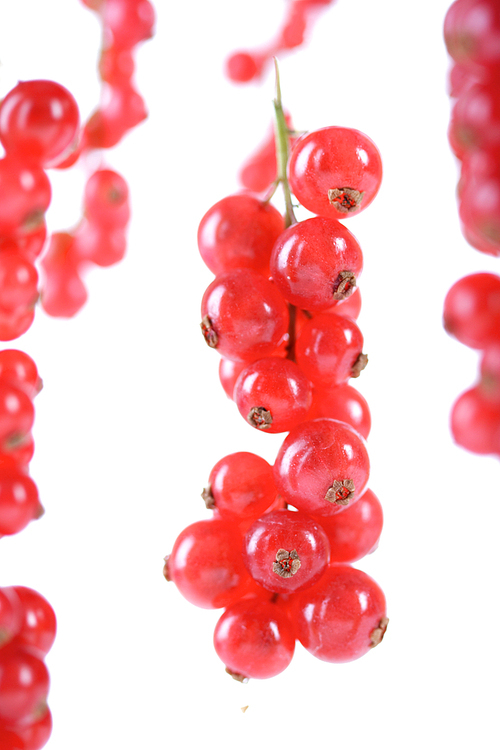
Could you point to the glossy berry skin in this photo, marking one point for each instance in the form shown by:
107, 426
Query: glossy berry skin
10, 615
242, 67
17, 415
241, 486
206, 564
328, 349
255, 639
14, 324
345, 403
340, 618
25, 195
19, 501
239, 232
129, 21
244, 316
228, 374
106, 199
63, 291
472, 32
273, 394
286, 531
38, 623
472, 310
38, 121
33, 736
18, 368
309, 260
349, 308
18, 282
355, 532
101, 245
336, 159
322, 467
475, 422
24, 685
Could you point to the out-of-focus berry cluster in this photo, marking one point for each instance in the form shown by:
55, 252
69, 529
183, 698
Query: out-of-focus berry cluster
471, 311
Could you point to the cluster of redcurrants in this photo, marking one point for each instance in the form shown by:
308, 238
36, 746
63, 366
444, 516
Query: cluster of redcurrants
280, 312
27, 632
471, 310
40, 129
19, 384
242, 67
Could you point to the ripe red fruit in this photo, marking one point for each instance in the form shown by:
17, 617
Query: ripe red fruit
38, 622
315, 263
207, 566
244, 316
18, 368
255, 639
239, 232
322, 467
329, 350
106, 199
475, 422
240, 486
286, 551
342, 617
19, 501
273, 394
38, 121
472, 310
355, 532
24, 685
335, 172
342, 402
25, 195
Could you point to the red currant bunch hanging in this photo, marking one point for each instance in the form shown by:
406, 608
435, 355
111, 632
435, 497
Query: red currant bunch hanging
280, 312
472, 32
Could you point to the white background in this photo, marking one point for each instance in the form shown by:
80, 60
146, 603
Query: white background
132, 417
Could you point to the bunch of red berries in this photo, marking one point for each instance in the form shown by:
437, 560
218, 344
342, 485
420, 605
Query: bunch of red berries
100, 238
280, 312
471, 310
27, 632
19, 384
242, 67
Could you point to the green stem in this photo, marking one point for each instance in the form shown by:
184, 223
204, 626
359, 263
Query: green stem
282, 150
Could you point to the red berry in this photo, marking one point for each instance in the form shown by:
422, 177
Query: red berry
14, 324
239, 232
19, 501
472, 310
18, 368
355, 532
228, 374
472, 32
241, 485
255, 639
101, 245
18, 282
25, 194
322, 467
38, 121
129, 21
342, 617
315, 263
286, 551
207, 566
244, 316
242, 67
16, 416
475, 422
335, 172
329, 350
342, 402
24, 685
106, 199
10, 616
273, 394
38, 624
